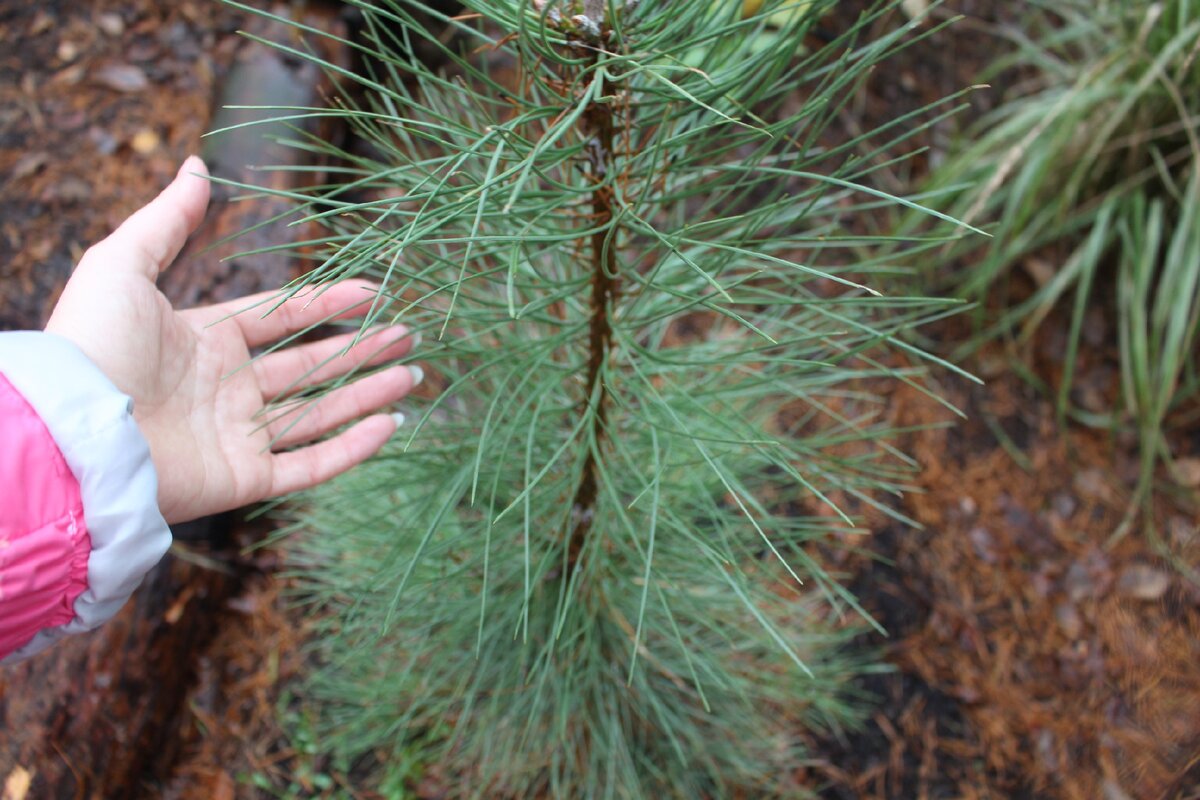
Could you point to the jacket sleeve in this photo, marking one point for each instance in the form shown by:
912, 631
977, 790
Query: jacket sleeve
79, 519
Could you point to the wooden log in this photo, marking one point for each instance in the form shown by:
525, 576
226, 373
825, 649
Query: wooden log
93, 716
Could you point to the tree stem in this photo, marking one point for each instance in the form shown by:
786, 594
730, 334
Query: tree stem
599, 125
594, 9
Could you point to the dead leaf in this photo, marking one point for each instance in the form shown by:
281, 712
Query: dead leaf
28, 164
71, 76
16, 785
1068, 619
1113, 791
106, 144
1079, 583
122, 78
1040, 270
984, 544
1091, 483
70, 189
175, 612
110, 23
42, 22
1143, 582
144, 141
67, 51
1183, 532
1187, 472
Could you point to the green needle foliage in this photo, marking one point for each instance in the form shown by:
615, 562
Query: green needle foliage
1092, 168
587, 566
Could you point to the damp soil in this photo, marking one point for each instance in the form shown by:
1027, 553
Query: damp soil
1030, 657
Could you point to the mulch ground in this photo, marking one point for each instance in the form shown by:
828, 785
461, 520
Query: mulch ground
1032, 659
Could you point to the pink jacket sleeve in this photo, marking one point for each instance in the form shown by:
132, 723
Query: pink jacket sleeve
79, 519
44, 543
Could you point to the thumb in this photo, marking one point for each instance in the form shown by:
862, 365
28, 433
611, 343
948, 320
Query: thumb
149, 240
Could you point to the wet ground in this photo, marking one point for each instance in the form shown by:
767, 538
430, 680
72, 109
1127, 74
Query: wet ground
1031, 658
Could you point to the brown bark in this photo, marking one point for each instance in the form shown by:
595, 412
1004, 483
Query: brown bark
599, 122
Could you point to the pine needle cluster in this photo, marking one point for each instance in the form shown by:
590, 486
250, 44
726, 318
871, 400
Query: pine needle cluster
588, 566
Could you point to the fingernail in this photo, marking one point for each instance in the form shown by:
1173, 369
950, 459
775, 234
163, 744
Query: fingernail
417, 373
416, 340
398, 418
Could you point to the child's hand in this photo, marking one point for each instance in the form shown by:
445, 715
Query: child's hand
198, 410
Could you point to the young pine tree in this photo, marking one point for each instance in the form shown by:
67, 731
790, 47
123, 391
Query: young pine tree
587, 567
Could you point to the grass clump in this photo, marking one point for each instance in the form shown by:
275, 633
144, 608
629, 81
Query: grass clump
1089, 174
588, 567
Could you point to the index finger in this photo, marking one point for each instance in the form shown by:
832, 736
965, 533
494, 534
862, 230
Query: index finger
268, 316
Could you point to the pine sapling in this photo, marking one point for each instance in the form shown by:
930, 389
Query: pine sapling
589, 565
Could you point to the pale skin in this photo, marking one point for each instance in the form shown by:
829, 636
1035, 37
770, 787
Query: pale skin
199, 409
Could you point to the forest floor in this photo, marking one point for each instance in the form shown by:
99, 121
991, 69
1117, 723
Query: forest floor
1032, 657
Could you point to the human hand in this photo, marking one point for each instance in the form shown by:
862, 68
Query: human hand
199, 410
